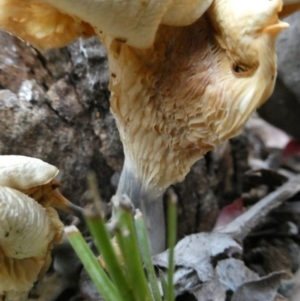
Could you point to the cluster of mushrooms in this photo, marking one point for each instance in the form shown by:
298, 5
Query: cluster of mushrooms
184, 76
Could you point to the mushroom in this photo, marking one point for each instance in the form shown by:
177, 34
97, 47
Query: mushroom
29, 225
185, 76
36, 179
192, 90
28, 232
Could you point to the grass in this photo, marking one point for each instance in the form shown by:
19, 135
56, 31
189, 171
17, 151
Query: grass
128, 273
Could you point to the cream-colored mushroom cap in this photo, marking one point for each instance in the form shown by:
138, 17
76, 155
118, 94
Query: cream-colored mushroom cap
25, 227
134, 22
185, 12
21, 172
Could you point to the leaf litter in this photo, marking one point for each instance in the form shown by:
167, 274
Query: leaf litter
207, 264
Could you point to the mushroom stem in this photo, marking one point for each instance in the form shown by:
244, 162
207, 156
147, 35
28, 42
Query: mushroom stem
150, 202
74, 210
59, 202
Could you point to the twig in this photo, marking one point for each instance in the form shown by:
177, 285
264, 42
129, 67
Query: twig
242, 225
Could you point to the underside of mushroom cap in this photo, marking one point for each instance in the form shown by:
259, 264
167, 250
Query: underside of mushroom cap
182, 97
21, 172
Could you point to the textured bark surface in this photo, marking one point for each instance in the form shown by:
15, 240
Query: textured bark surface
55, 106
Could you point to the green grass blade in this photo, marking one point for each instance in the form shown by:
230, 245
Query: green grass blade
146, 255
96, 223
94, 269
127, 240
164, 284
112, 264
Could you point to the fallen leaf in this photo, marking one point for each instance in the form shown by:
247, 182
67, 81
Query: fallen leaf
209, 291
232, 273
197, 251
263, 289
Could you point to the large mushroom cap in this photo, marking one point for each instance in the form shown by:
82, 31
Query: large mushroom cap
185, 12
134, 22
20, 172
55, 23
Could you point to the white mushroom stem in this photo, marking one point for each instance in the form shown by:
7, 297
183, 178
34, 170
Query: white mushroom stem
149, 200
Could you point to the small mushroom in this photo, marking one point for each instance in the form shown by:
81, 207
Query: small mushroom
36, 179
28, 232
